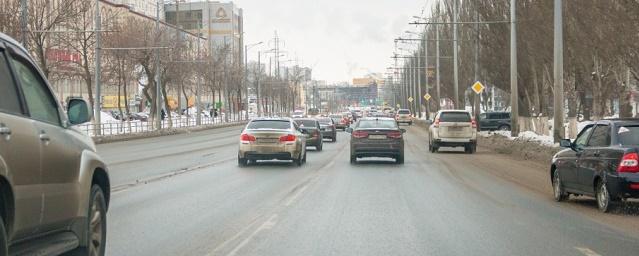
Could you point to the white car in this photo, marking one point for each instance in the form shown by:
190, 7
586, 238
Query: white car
404, 116
453, 128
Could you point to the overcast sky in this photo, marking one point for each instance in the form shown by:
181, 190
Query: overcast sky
339, 39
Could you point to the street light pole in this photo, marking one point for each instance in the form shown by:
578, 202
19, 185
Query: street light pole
514, 93
455, 56
257, 77
437, 63
421, 98
158, 94
558, 97
198, 115
98, 56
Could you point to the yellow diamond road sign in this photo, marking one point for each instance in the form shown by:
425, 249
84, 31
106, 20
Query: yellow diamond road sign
478, 87
410, 99
398, 105
427, 96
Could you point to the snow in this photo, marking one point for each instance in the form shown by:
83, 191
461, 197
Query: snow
528, 136
106, 117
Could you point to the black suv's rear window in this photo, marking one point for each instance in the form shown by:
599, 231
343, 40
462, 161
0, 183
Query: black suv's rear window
306, 123
269, 124
454, 117
404, 112
628, 135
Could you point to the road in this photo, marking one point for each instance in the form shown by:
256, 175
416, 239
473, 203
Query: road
185, 195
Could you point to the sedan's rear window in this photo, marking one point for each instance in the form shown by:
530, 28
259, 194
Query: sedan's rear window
325, 120
454, 117
377, 124
628, 135
305, 123
404, 112
269, 124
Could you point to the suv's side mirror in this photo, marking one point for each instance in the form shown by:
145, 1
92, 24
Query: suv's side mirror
565, 143
78, 111
349, 130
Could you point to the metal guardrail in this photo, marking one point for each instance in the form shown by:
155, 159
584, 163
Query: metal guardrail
136, 126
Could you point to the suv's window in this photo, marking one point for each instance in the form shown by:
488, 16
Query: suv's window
269, 124
600, 136
454, 117
580, 142
403, 111
377, 124
40, 102
628, 135
504, 116
9, 102
482, 116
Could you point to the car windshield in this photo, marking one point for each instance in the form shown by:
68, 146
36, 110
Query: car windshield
403, 112
377, 124
306, 123
269, 124
628, 135
454, 117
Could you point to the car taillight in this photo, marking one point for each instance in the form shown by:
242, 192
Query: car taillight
629, 163
360, 134
474, 123
397, 116
247, 138
394, 135
436, 122
287, 138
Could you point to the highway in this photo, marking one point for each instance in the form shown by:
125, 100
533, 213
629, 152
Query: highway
186, 195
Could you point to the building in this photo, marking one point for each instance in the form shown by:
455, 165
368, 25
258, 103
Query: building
220, 22
146, 7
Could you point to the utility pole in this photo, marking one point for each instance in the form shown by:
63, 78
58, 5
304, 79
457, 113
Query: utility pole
248, 99
198, 115
98, 56
418, 87
158, 93
177, 38
514, 93
477, 104
24, 14
421, 98
437, 63
257, 77
455, 60
558, 120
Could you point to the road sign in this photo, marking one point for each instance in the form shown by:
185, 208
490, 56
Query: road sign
478, 87
410, 99
427, 96
398, 105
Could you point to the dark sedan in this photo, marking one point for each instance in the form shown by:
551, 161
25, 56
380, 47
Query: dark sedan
312, 128
328, 128
377, 137
602, 162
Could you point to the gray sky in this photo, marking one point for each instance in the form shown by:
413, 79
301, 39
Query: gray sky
339, 39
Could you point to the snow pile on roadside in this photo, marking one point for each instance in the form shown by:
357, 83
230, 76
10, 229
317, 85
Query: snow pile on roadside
528, 136
106, 117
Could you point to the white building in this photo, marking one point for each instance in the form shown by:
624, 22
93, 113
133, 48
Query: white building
146, 7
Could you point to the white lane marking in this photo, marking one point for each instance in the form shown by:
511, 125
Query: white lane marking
268, 224
587, 251
296, 195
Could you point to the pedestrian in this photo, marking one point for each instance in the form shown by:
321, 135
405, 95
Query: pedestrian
162, 114
215, 113
211, 113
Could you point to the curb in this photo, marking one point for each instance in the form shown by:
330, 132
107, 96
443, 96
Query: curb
163, 132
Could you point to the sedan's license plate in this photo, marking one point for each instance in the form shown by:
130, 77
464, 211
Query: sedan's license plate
377, 137
455, 128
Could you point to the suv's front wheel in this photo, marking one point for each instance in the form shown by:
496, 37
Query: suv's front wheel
4, 247
96, 225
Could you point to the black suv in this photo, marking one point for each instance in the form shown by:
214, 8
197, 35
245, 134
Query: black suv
602, 162
494, 121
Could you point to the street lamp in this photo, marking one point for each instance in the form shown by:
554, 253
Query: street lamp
248, 99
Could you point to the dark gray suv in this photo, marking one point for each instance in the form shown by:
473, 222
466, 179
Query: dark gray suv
54, 188
494, 121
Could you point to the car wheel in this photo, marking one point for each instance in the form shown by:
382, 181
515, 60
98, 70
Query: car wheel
241, 161
4, 248
319, 147
503, 128
603, 197
353, 159
433, 148
304, 159
399, 159
299, 160
558, 188
334, 139
96, 225
251, 162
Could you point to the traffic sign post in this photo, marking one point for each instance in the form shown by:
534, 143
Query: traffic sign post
427, 96
478, 87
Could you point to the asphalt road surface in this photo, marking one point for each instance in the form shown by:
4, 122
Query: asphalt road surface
185, 195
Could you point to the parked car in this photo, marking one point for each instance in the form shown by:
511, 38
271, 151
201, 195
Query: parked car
453, 128
54, 187
297, 114
494, 121
328, 128
272, 139
603, 162
312, 130
404, 116
377, 137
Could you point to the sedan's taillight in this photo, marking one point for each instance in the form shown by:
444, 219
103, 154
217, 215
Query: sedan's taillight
247, 138
436, 122
629, 163
360, 134
288, 138
394, 135
474, 123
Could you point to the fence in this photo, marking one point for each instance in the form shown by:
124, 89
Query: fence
132, 127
